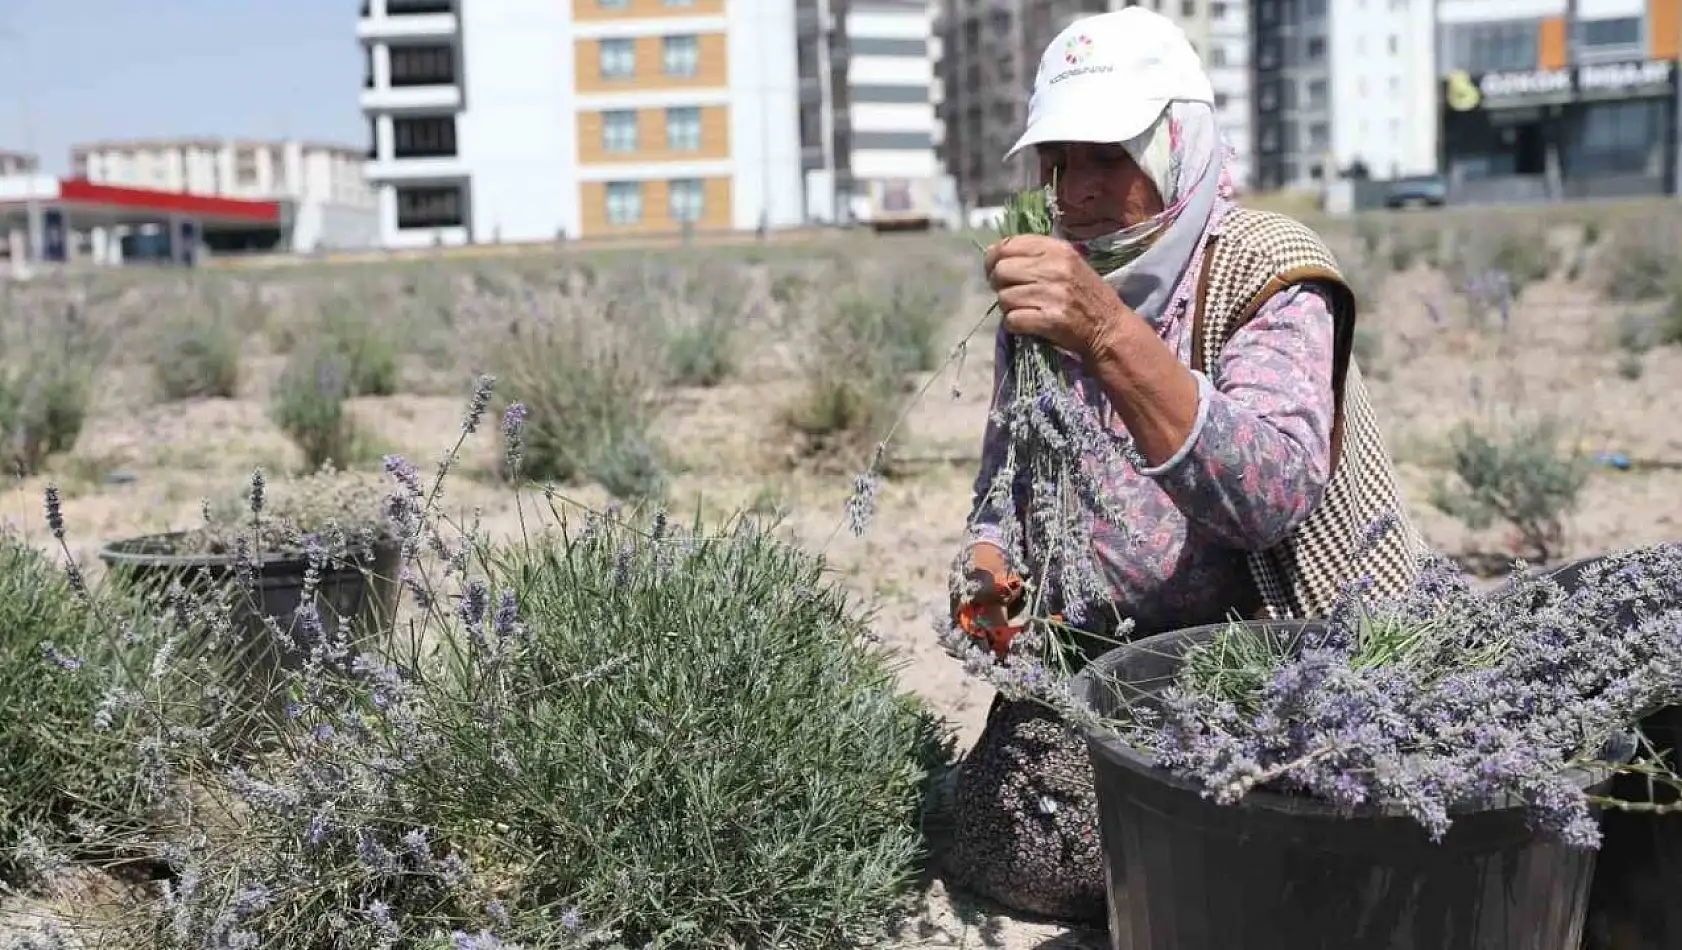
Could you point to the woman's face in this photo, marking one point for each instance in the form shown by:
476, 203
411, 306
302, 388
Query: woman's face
1100, 189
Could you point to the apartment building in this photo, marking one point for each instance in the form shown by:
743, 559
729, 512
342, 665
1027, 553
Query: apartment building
991, 49
18, 163
1549, 99
1341, 86
329, 203
525, 120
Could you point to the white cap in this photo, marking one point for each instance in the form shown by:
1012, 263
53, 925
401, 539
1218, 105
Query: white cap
1106, 78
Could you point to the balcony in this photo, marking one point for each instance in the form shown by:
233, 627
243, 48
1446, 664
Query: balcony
407, 26
439, 98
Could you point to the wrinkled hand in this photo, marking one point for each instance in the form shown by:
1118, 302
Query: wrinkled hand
1046, 289
985, 615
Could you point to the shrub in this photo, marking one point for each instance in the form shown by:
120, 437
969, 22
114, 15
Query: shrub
196, 355
46, 386
1520, 475
364, 338
851, 392
685, 737
588, 393
68, 763
308, 404
1642, 266
691, 737
701, 314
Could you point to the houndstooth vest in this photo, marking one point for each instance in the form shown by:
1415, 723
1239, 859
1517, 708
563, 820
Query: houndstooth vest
1254, 255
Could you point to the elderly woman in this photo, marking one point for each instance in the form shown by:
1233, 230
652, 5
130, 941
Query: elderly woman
1245, 464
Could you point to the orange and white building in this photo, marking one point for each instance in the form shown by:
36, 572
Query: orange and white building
532, 120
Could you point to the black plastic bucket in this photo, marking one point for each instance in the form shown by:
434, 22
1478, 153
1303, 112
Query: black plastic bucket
357, 591
1634, 903
1279, 872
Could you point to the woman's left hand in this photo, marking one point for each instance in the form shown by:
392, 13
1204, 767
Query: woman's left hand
1046, 289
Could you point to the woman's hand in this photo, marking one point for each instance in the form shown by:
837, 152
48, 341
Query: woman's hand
1046, 289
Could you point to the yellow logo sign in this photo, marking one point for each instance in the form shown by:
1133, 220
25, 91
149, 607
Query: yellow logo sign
1460, 92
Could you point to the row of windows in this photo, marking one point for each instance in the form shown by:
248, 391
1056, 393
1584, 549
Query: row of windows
683, 130
680, 56
626, 4
444, 206
686, 201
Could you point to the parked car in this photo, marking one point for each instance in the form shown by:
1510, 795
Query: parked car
1419, 190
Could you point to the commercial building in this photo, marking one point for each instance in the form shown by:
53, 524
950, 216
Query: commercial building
526, 120
1551, 99
1340, 86
325, 201
18, 163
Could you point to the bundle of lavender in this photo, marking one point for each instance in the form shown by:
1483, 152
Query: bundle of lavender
1044, 496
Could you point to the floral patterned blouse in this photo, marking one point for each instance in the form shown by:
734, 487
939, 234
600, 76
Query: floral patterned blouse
1255, 465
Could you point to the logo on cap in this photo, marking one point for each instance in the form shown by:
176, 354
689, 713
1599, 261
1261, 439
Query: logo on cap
1077, 50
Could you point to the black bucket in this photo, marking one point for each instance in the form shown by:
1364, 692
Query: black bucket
356, 594
1634, 902
1280, 872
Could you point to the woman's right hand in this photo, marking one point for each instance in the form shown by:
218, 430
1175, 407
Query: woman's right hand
992, 589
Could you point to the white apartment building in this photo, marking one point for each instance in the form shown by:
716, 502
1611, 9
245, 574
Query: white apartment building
1384, 86
329, 203
887, 142
530, 120
1338, 82
1226, 56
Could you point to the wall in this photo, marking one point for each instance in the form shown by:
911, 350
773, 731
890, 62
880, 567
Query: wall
1384, 91
517, 135
764, 115
890, 75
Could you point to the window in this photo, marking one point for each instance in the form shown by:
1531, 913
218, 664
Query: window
1490, 47
1188, 8
624, 202
430, 206
613, 4
1317, 94
680, 55
619, 58
1622, 31
1395, 44
373, 140
619, 130
417, 7
683, 129
1319, 135
680, 3
688, 200
1615, 138
431, 65
1316, 48
432, 136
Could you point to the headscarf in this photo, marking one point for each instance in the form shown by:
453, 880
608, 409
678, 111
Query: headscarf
1184, 156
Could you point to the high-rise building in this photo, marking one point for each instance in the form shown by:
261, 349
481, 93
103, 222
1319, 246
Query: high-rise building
868, 113
991, 50
1340, 85
1555, 99
523, 120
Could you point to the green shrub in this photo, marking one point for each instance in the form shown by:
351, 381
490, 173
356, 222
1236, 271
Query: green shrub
588, 391
195, 355
701, 316
366, 339
308, 404
853, 385
692, 737
46, 388
1520, 474
68, 761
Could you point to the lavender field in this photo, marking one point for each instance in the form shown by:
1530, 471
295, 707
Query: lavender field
758, 381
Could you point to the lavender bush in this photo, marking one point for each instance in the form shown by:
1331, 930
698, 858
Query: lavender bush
308, 404
627, 734
1521, 473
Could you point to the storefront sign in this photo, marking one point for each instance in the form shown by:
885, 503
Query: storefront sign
1463, 92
